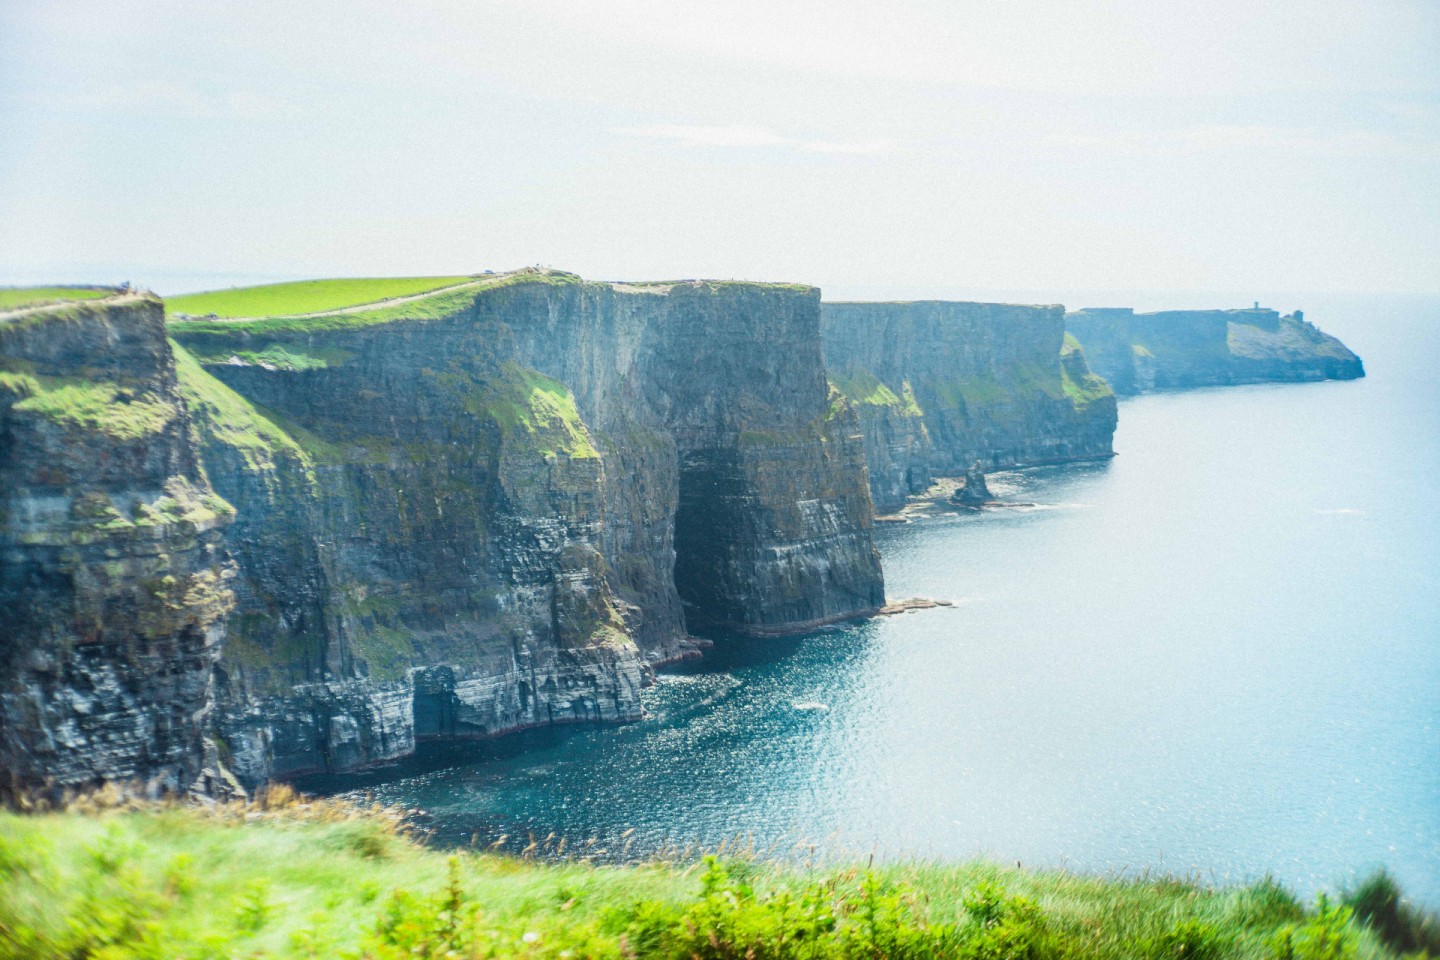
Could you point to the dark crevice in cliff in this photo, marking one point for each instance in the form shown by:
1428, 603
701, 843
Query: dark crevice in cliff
709, 522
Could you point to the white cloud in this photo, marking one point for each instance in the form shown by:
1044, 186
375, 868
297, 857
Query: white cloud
696, 135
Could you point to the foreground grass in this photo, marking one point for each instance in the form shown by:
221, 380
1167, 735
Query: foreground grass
324, 880
304, 296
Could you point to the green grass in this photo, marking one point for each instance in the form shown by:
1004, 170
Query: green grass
227, 417
1080, 385
860, 386
208, 337
321, 880
532, 409
1020, 383
114, 408
1084, 390
15, 298
304, 296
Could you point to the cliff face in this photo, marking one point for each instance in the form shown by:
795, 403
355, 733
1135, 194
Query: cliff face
496, 507
939, 385
1194, 348
114, 578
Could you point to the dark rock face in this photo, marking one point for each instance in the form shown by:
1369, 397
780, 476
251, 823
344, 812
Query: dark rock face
500, 509
1194, 348
975, 491
939, 385
114, 578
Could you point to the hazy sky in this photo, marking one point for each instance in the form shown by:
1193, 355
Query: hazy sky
856, 145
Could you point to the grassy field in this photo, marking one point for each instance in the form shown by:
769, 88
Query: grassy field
287, 879
441, 303
14, 298
304, 296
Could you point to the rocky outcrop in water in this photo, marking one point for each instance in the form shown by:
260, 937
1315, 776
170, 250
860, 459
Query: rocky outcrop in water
499, 507
114, 577
975, 492
1175, 349
939, 385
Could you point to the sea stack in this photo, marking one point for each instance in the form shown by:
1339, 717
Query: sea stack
975, 492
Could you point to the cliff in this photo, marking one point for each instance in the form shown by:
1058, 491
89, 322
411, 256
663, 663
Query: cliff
497, 506
1193, 348
114, 579
939, 385
492, 505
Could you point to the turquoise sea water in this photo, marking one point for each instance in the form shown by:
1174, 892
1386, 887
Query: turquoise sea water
1218, 653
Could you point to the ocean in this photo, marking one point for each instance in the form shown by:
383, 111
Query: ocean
1216, 655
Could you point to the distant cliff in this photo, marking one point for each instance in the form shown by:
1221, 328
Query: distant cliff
939, 385
455, 514
1136, 352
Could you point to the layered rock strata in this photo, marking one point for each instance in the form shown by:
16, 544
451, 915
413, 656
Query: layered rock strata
1174, 349
451, 515
496, 507
940, 385
114, 578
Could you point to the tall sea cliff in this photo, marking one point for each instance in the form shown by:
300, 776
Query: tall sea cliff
939, 385
250, 547
494, 507
115, 582
1175, 349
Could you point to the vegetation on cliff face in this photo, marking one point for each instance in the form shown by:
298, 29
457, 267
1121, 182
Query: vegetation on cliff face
861, 386
304, 296
114, 408
1079, 384
284, 879
231, 419
533, 410
1022, 382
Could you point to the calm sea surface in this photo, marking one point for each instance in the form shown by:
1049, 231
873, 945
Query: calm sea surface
1217, 653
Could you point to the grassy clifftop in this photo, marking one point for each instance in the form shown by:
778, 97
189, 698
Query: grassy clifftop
305, 296
18, 298
323, 880
436, 303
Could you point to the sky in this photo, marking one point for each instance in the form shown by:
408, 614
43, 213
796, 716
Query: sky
872, 148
